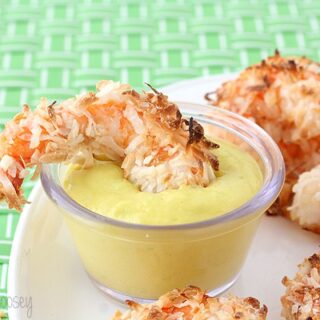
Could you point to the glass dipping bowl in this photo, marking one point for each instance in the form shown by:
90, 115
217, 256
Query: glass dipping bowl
142, 262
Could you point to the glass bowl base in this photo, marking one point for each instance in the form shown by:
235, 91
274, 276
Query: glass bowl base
122, 298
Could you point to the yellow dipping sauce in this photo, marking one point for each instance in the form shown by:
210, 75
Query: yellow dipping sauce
104, 190
147, 262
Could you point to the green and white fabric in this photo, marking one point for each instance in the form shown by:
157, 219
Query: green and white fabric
57, 48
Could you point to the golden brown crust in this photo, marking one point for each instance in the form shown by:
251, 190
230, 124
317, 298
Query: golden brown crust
167, 113
301, 300
193, 303
282, 95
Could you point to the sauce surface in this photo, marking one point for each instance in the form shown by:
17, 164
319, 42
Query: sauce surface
104, 190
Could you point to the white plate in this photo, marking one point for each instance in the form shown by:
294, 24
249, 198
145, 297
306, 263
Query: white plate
45, 266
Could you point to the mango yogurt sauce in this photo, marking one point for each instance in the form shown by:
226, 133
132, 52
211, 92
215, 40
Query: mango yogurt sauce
104, 190
147, 263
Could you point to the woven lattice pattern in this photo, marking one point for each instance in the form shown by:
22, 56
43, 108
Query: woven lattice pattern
58, 48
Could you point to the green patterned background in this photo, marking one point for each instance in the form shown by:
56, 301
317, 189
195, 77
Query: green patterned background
59, 48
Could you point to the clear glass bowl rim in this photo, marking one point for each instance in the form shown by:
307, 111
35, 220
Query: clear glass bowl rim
267, 193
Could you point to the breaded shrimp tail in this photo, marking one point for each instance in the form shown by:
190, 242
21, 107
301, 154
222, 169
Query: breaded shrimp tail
193, 303
282, 95
145, 133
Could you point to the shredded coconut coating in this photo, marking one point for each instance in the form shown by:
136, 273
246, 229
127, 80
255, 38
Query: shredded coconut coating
145, 133
282, 95
301, 300
193, 303
306, 203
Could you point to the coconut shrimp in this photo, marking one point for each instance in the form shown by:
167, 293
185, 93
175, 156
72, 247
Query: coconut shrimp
145, 133
282, 95
307, 200
301, 298
193, 303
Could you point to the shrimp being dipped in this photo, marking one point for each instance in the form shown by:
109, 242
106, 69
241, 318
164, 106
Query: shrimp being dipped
282, 95
144, 133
